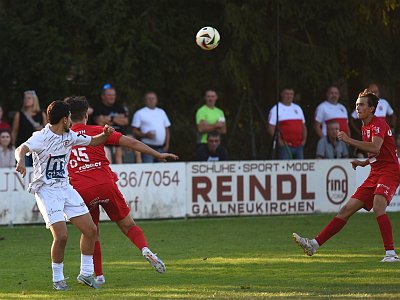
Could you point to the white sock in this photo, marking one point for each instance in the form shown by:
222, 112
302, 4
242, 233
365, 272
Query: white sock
390, 252
58, 271
314, 243
87, 267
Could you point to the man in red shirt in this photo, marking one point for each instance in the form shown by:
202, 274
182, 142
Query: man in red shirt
92, 177
377, 190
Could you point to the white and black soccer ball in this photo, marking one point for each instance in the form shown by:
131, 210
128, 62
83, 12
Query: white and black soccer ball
207, 38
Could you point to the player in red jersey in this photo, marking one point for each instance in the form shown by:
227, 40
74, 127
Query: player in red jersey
92, 177
377, 190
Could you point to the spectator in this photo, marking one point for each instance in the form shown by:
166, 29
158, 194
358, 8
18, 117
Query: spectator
3, 124
331, 110
151, 125
329, 146
7, 157
111, 113
212, 151
292, 128
209, 117
397, 141
384, 111
29, 119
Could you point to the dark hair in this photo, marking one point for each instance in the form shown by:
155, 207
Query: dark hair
372, 98
78, 106
213, 134
210, 90
9, 133
56, 111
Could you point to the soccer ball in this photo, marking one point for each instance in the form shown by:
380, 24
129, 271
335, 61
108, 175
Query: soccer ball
207, 38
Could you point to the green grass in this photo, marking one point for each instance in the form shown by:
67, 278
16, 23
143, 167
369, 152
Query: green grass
212, 258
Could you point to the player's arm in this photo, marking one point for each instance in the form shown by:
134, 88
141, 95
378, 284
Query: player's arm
359, 163
372, 147
102, 137
20, 154
135, 145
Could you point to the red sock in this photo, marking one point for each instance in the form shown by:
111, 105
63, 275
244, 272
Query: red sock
98, 268
386, 231
136, 235
334, 226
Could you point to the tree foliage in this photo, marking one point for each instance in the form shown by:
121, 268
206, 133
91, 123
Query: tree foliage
69, 47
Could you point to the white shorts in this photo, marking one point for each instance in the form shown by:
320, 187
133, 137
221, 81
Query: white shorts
59, 203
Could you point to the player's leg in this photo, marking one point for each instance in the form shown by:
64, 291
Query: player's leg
78, 214
137, 237
310, 246
51, 200
385, 227
59, 233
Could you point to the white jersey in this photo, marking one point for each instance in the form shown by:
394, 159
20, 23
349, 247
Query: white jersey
156, 120
327, 112
50, 154
384, 109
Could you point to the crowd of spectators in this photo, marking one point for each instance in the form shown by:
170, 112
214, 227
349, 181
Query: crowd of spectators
286, 124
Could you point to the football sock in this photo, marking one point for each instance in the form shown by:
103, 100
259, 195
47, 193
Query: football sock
136, 235
58, 271
314, 243
390, 252
87, 267
386, 231
334, 226
97, 259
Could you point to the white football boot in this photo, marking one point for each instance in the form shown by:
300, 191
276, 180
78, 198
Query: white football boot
305, 244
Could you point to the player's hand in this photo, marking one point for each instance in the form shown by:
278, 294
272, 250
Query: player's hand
108, 130
20, 168
166, 156
359, 163
342, 136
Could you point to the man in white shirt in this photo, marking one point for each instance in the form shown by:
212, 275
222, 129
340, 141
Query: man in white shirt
331, 110
55, 197
292, 126
151, 125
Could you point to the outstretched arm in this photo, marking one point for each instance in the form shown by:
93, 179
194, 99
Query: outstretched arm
102, 137
136, 145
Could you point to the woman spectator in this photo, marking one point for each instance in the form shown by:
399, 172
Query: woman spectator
7, 159
3, 124
29, 119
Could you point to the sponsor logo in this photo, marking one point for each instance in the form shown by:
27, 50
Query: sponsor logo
337, 185
368, 133
56, 167
377, 130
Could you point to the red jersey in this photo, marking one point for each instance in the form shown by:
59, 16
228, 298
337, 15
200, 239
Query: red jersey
88, 166
386, 161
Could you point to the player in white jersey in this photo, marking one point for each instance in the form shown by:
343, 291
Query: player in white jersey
56, 199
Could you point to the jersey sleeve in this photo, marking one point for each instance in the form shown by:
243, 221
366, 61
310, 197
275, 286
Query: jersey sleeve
136, 120
35, 142
81, 139
354, 114
319, 114
301, 114
378, 130
200, 115
113, 139
167, 123
389, 111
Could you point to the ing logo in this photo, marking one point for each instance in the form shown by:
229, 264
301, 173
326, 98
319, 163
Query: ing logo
56, 167
337, 185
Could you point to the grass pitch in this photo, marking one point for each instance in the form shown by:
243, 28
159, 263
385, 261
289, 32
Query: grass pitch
212, 258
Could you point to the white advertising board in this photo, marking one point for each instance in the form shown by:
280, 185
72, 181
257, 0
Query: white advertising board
268, 187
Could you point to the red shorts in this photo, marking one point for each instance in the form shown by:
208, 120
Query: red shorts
376, 185
109, 197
